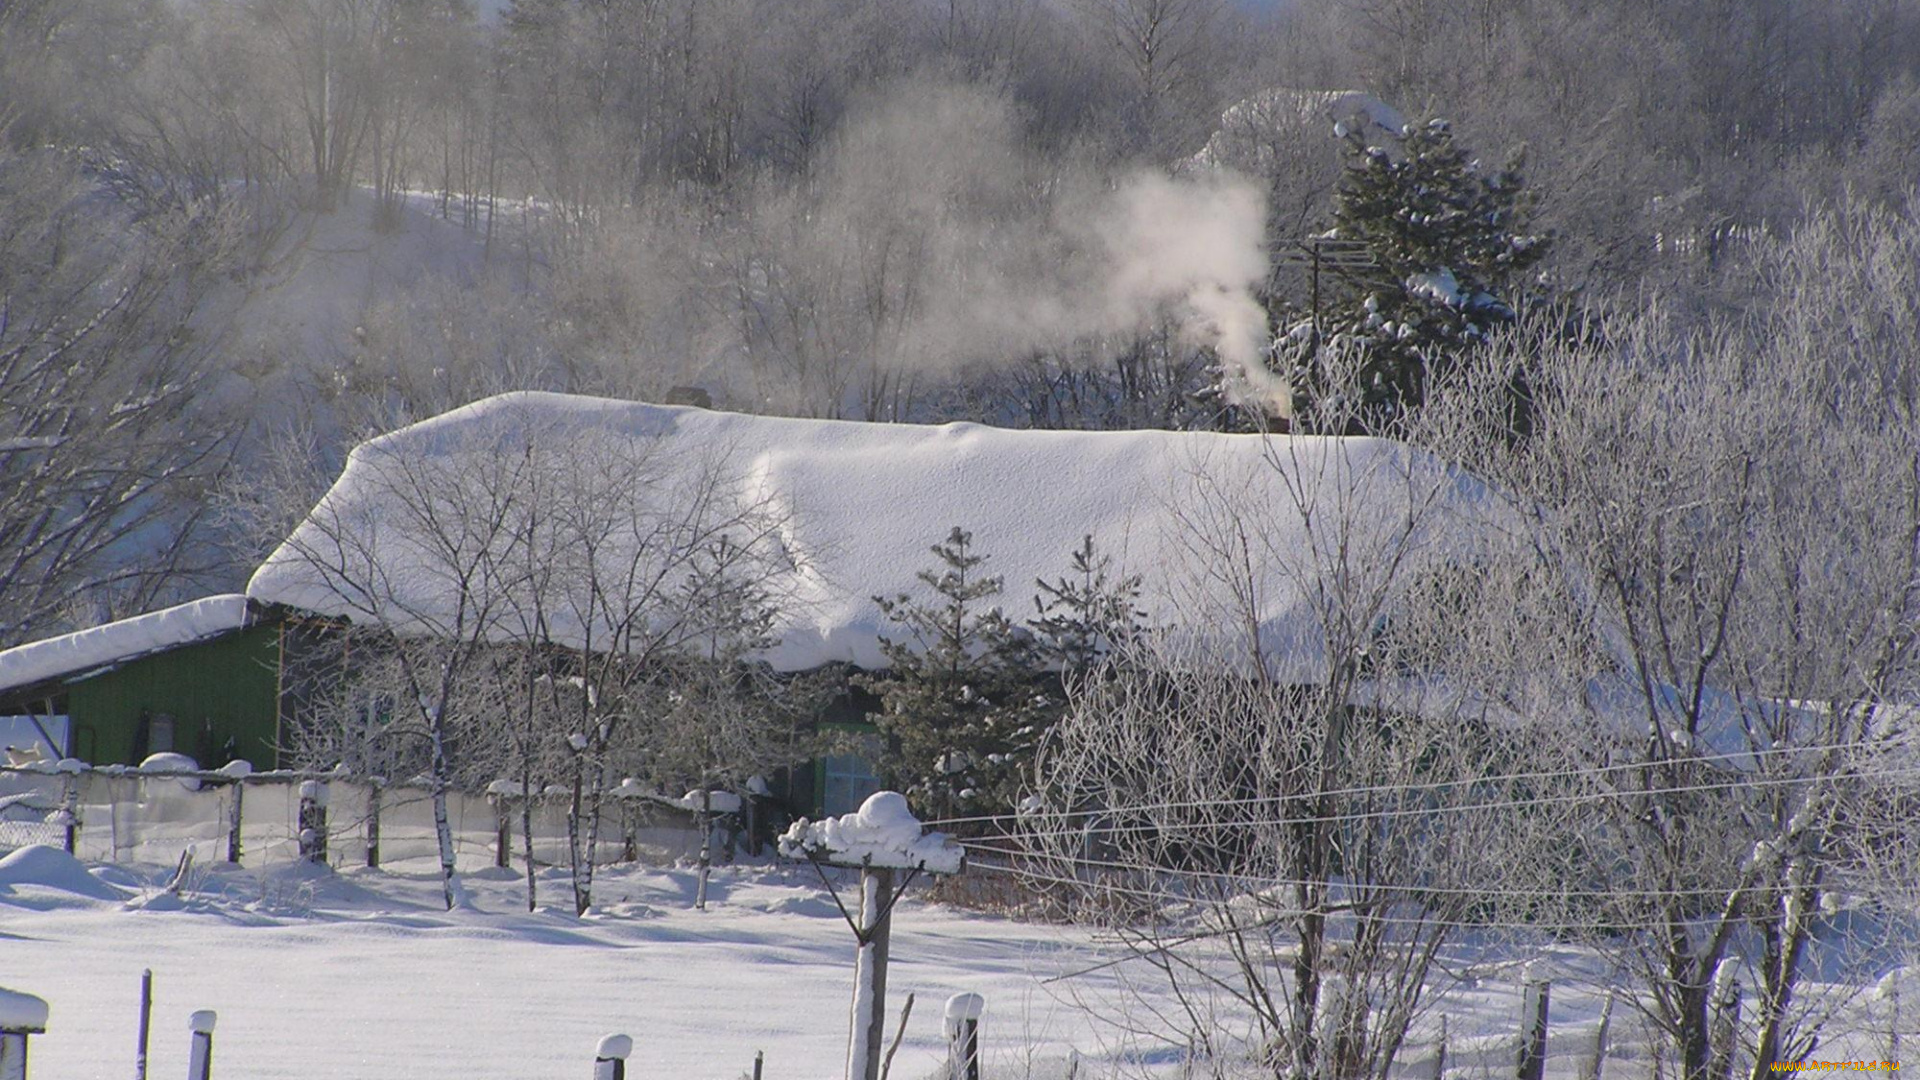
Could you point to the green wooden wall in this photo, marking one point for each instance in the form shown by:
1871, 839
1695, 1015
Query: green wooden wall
215, 690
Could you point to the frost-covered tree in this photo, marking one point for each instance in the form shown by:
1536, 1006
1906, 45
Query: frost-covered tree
1446, 255
962, 701
1721, 626
1281, 837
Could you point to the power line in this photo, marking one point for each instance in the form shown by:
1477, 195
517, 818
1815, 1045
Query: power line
1335, 884
1438, 785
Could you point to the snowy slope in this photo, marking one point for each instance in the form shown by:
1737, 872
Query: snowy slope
860, 504
124, 640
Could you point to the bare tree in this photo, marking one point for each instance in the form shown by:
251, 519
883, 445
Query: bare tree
110, 438
1729, 647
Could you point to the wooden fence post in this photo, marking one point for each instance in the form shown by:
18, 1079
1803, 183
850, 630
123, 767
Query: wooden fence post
313, 821
375, 787
146, 1021
1533, 1027
502, 830
963, 1036
200, 1060
1599, 1064
870, 974
610, 1058
21, 1015
239, 787
70, 811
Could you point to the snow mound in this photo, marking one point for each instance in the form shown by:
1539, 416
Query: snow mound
50, 868
882, 833
166, 764
120, 641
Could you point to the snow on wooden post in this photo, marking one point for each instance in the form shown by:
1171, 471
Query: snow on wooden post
21, 1015
313, 821
963, 1036
610, 1058
1533, 1027
200, 1059
236, 772
869, 1012
879, 838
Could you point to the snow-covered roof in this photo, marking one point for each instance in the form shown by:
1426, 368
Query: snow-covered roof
1247, 127
117, 642
860, 504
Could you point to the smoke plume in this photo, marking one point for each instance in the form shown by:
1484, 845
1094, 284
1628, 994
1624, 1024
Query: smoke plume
947, 243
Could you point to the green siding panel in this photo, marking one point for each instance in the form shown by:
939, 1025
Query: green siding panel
219, 691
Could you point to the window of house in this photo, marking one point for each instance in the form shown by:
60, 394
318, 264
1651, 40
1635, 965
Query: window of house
28, 736
846, 781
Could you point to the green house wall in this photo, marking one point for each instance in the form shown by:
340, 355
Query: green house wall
227, 688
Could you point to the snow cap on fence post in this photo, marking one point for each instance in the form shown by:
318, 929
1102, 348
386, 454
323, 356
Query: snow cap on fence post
963, 1035
1533, 1024
313, 821
610, 1058
200, 1063
21, 1015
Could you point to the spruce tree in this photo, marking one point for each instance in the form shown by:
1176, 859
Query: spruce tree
1447, 254
962, 700
1082, 615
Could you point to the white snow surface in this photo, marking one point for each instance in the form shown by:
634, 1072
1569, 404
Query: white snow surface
858, 505
361, 974
882, 833
117, 642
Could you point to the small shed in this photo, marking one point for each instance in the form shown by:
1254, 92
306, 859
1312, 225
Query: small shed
201, 678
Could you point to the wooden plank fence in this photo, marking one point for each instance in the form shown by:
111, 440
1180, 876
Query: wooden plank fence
119, 814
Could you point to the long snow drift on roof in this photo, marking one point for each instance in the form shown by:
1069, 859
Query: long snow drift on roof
844, 512
120, 641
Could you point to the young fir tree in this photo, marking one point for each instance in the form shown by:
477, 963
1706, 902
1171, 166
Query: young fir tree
963, 701
1083, 615
1447, 252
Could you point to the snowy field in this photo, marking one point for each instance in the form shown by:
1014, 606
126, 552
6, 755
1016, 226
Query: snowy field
361, 975
317, 974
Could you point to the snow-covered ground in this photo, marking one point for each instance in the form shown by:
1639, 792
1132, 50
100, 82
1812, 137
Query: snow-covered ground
360, 974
